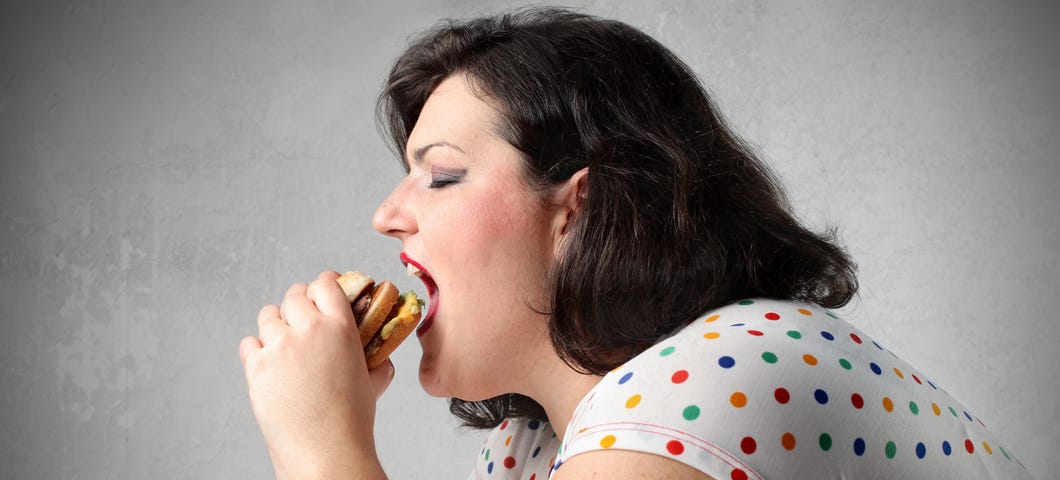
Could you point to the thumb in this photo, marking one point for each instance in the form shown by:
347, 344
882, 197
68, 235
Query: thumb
380, 377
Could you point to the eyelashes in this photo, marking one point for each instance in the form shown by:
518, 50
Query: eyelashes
441, 179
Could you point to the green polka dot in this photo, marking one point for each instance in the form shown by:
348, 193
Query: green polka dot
830, 314
746, 302
769, 357
666, 351
825, 441
1003, 452
954, 412
913, 408
845, 363
794, 334
891, 449
691, 412
487, 454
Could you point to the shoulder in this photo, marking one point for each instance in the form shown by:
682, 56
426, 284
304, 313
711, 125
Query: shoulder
767, 388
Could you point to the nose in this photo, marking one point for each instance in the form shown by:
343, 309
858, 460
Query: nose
394, 217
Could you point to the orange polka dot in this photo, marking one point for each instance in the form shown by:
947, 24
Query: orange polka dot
583, 430
888, 404
712, 318
633, 401
711, 335
508, 441
738, 399
898, 372
788, 441
809, 359
935, 408
607, 441
986, 446
805, 311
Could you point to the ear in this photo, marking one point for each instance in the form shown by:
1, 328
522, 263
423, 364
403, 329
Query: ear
568, 200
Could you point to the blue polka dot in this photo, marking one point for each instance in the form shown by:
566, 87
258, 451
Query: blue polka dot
827, 336
859, 447
946, 448
969, 416
932, 385
489, 468
533, 424
877, 345
625, 378
726, 362
737, 325
821, 396
921, 450
875, 368
536, 451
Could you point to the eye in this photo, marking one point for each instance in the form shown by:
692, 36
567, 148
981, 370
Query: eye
440, 179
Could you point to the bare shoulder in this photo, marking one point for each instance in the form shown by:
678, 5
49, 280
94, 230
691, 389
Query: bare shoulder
625, 464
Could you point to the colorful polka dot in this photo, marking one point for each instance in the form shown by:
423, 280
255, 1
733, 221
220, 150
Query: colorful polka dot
756, 333
633, 401
794, 334
857, 401
821, 396
748, 445
533, 424
509, 462
787, 441
782, 395
711, 335
625, 378
805, 312
935, 408
859, 446
946, 449
916, 379
888, 404
747, 302
825, 441
827, 336
738, 474
890, 449
712, 318
914, 408
504, 424
536, 452
726, 362
667, 351
508, 441
855, 338
607, 441
690, 412
489, 468
679, 376
675, 447
921, 450
969, 446
769, 357
830, 314
738, 399
954, 412
898, 372
969, 417
845, 363
809, 359
875, 368
987, 449
772, 316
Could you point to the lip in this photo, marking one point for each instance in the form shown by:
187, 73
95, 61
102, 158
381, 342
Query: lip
432, 294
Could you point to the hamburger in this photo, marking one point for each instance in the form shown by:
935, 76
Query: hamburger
385, 317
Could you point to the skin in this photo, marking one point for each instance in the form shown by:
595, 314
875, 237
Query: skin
466, 215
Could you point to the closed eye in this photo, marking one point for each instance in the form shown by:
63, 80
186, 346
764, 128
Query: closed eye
440, 179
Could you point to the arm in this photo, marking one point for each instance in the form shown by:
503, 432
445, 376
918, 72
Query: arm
623, 465
310, 389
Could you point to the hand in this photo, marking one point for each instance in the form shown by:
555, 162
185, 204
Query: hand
310, 390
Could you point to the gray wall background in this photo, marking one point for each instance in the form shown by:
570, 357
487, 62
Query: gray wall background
167, 168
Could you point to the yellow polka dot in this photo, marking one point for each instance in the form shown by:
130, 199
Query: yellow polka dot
738, 399
986, 446
898, 372
888, 404
809, 359
712, 318
508, 441
935, 408
607, 441
711, 335
633, 401
805, 311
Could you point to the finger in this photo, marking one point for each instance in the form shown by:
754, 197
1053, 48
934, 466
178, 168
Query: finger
270, 325
297, 309
328, 296
248, 347
380, 377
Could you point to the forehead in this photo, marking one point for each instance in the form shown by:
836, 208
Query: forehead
457, 114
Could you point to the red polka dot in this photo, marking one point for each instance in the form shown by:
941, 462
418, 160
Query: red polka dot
509, 462
675, 447
969, 446
787, 441
857, 401
748, 445
504, 425
916, 379
855, 338
772, 316
738, 475
782, 395
533, 477
679, 376
755, 333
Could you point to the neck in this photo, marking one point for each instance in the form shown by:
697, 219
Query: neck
559, 389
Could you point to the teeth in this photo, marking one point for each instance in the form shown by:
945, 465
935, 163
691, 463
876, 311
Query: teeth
413, 271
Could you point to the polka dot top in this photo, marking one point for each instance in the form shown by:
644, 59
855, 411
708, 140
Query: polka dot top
765, 389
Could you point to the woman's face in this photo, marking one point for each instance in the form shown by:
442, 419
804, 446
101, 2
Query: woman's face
483, 239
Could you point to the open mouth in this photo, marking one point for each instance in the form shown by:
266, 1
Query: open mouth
417, 270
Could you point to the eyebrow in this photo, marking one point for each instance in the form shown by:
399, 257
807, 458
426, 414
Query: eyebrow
420, 152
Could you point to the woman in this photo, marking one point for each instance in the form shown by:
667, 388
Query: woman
617, 287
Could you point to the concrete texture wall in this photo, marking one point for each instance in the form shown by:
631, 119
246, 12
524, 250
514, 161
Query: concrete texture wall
167, 168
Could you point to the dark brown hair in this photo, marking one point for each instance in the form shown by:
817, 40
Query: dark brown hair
680, 216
